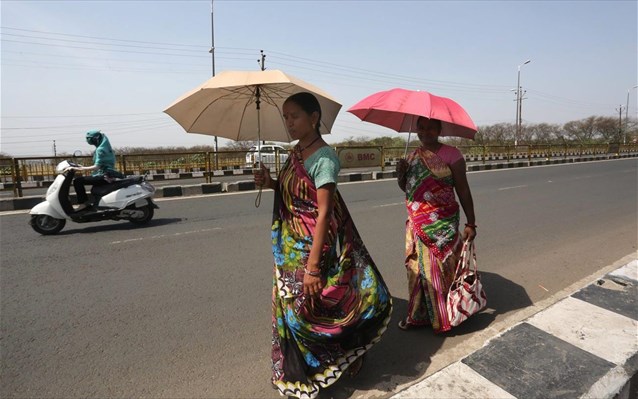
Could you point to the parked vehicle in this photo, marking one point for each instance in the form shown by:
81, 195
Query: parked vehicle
269, 154
123, 199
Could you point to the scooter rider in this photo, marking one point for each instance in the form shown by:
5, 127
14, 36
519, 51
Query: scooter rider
103, 168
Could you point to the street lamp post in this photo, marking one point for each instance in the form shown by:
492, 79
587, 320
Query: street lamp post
212, 58
519, 105
212, 55
624, 137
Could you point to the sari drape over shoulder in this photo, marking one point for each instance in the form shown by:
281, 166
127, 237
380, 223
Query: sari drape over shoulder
316, 339
432, 238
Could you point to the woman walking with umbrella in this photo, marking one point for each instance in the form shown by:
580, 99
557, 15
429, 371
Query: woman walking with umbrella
429, 177
330, 304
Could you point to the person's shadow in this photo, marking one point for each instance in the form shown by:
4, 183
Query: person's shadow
403, 356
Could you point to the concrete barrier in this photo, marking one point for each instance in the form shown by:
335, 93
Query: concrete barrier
384, 175
243, 185
169, 191
13, 204
211, 188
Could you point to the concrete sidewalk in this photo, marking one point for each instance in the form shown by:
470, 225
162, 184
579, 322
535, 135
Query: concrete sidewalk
583, 346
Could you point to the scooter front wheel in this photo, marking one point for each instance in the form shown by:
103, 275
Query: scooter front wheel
146, 215
47, 225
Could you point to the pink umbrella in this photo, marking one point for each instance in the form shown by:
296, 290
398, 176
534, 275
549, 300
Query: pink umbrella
399, 110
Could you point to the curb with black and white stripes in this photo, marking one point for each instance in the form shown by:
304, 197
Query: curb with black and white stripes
583, 346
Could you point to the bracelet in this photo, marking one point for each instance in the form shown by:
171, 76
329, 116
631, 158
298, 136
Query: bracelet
470, 225
316, 273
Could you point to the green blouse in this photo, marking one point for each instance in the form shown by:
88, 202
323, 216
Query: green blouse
323, 166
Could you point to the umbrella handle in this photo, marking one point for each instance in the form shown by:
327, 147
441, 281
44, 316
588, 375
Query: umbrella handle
405, 153
258, 199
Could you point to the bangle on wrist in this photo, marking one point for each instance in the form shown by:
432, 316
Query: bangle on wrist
313, 273
470, 225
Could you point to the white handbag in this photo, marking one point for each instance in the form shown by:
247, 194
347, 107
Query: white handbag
466, 295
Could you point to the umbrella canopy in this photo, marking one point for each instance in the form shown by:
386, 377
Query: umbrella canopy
246, 105
399, 110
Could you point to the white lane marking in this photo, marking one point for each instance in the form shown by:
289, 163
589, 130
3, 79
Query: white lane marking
393, 204
509, 188
164, 236
18, 212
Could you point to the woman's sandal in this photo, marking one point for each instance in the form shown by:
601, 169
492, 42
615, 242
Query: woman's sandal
406, 325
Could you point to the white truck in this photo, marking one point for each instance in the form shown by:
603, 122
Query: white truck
269, 154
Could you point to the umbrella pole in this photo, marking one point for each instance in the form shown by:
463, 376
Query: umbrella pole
405, 153
257, 101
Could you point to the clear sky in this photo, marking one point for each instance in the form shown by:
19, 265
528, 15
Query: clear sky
71, 66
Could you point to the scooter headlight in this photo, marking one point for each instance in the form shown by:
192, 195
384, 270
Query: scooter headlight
148, 187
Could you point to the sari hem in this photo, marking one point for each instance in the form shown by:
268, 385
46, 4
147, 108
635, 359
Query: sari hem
331, 374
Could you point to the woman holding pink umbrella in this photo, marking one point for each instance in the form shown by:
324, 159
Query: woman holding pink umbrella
429, 177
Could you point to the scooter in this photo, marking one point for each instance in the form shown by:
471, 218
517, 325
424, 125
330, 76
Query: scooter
123, 199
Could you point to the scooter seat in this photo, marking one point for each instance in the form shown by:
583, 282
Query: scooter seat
100, 191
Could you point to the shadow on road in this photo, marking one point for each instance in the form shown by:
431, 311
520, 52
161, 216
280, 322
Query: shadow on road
504, 295
120, 226
404, 356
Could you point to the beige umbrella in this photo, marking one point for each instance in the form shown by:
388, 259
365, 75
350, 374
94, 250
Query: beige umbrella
246, 105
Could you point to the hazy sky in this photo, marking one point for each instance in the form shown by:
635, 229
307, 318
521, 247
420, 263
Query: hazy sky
72, 66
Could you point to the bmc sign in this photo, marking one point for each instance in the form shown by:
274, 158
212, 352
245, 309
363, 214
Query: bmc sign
353, 157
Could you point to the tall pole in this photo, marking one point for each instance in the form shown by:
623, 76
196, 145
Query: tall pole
519, 104
624, 137
262, 61
619, 109
212, 51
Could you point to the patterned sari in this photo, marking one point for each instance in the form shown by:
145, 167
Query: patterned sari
432, 239
315, 340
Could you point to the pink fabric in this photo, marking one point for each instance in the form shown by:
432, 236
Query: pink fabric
450, 155
399, 110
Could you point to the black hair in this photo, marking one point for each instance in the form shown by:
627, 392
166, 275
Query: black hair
434, 122
309, 103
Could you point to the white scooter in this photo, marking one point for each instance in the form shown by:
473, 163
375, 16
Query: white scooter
128, 199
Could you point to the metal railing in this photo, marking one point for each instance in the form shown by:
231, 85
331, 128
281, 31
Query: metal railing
18, 174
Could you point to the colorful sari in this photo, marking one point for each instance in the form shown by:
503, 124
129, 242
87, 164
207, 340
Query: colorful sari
432, 239
315, 340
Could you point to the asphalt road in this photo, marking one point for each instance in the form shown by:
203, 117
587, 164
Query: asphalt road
32, 191
181, 308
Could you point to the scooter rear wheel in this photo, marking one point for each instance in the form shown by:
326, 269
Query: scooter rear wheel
47, 225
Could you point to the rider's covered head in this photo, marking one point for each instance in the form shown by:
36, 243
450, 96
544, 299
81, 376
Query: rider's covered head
94, 137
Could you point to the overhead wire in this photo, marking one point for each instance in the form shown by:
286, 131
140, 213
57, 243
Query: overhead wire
344, 74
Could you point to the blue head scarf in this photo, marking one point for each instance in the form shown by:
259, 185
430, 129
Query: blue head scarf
104, 156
